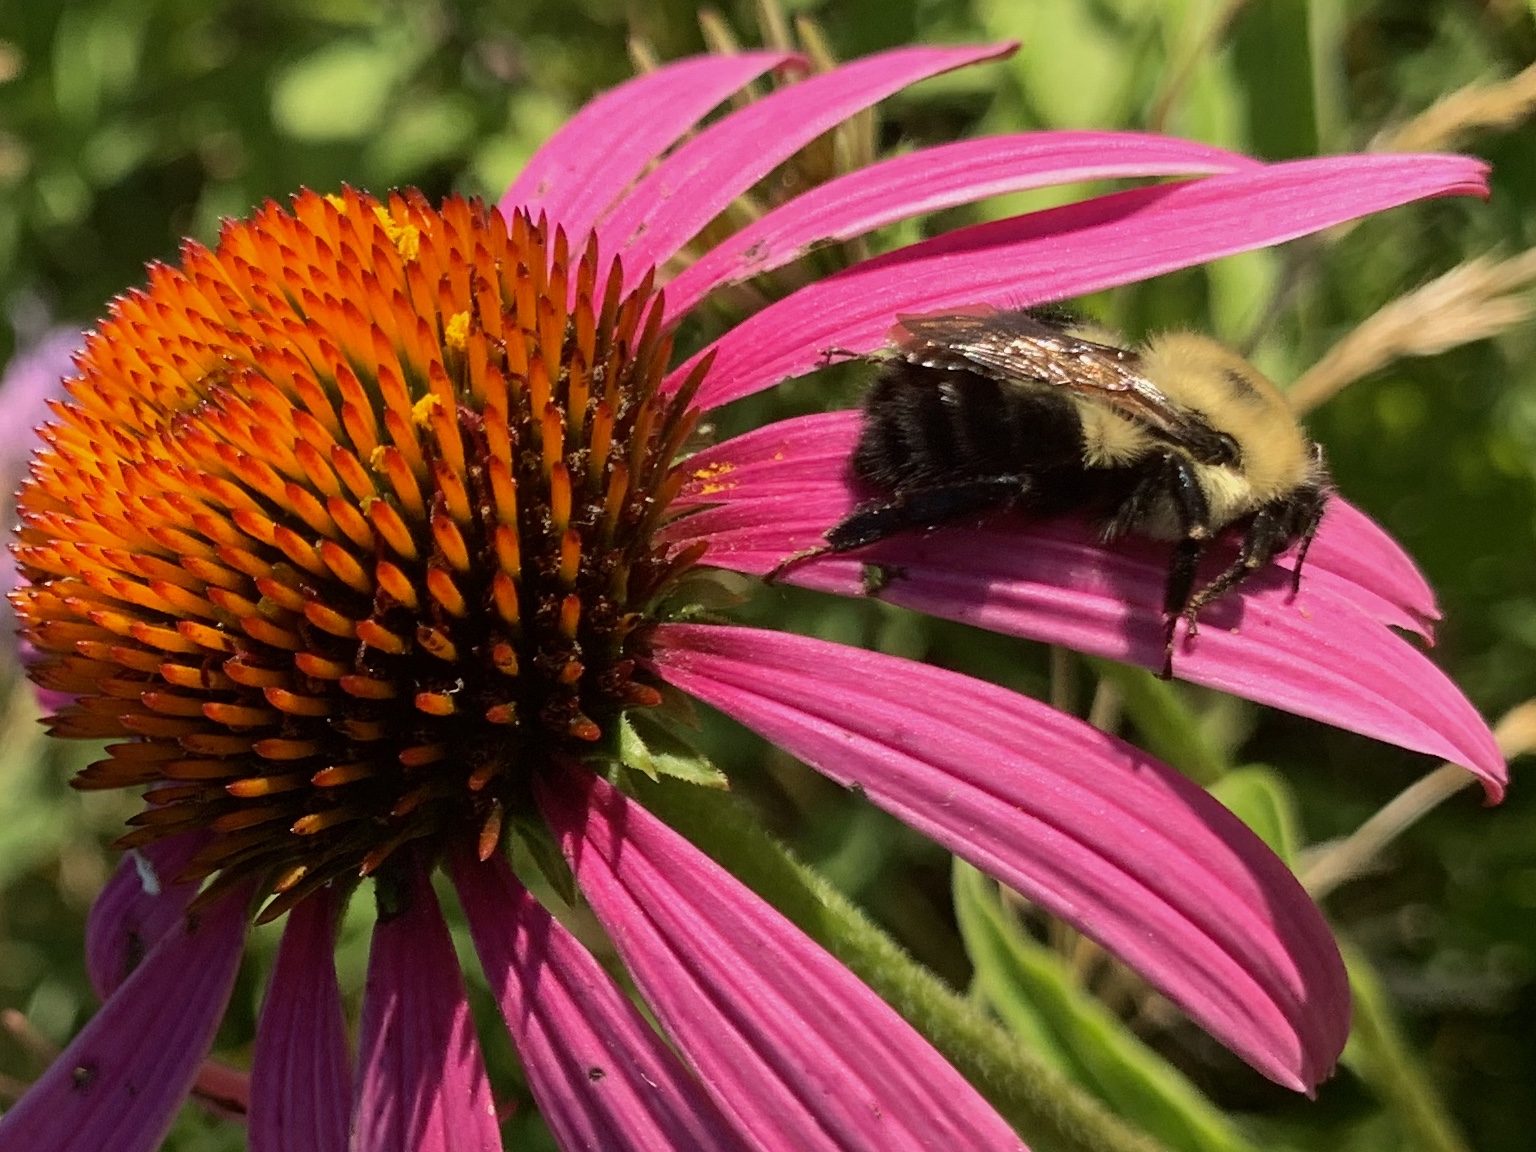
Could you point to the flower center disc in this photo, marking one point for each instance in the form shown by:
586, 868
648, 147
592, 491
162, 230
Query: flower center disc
348, 528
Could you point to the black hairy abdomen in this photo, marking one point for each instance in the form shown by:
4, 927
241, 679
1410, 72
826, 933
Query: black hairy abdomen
925, 427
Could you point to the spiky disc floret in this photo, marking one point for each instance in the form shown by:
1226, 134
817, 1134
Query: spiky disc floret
348, 529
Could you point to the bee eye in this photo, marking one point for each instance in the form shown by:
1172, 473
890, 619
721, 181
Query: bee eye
1228, 451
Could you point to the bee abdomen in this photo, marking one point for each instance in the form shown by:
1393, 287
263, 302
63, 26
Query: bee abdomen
924, 425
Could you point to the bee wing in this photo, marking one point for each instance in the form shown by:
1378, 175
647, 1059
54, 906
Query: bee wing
1024, 347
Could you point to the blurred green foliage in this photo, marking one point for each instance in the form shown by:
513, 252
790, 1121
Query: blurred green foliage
128, 124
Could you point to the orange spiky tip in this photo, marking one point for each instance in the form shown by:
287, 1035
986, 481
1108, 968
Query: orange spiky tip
345, 530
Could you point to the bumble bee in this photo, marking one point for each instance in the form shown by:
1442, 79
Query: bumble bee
984, 409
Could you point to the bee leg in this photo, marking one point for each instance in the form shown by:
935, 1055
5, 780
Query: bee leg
1178, 478
829, 354
1267, 535
1136, 506
794, 560
1177, 595
1314, 517
908, 509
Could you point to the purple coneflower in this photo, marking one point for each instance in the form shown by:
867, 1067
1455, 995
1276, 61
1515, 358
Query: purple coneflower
353, 532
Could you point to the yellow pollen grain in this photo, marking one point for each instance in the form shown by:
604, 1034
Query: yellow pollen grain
456, 332
405, 237
376, 462
422, 410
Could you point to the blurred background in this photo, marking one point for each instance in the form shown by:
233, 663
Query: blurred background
126, 125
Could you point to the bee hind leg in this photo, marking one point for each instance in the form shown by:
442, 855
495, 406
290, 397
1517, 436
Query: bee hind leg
908, 509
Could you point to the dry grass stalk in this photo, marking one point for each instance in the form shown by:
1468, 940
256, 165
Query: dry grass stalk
1330, 865
1450, 120
642, 55
1472, 301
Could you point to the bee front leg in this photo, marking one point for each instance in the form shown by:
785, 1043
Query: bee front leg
1177, 597
1193, 512
1267, 536
1310, 519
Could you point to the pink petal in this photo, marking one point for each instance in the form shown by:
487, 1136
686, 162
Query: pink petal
1378, 560
422, 1085
121, 1081
601, 1075
1091, 828
136, 908
301, 1073
1065, 252
1324, 654
596, 154
224, 1091
793, 1048
32, 377
691, 186
929, 181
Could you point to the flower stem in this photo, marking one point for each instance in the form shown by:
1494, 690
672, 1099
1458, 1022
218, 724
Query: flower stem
1381, 1056
1047, 1109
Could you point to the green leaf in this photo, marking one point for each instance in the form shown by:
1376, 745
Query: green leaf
1262, 799
1071, 63
659, 753
1241, 289
535, 838
1380, 1055
337, 93
34, 811
422, 133
1272, 51
1032, 988
1169, 728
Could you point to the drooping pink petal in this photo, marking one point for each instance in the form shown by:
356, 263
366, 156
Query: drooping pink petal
422, 1085
600, 1074
1068, 251
1089, 827
1357, 545
301, 1073
791, 1046
595, 155
691, 186
931, 180
120, 1082
1325, 654
136, 908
